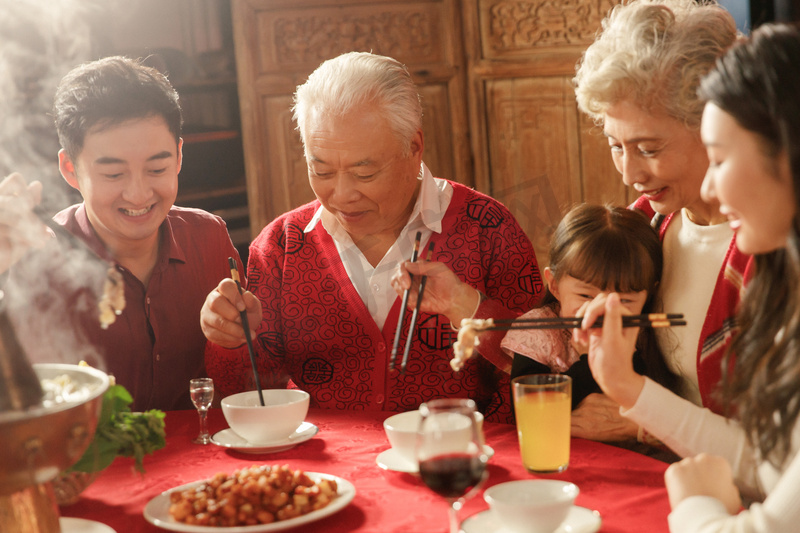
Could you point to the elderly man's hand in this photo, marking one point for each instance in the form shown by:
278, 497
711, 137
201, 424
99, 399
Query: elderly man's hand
20, 229
702, 475
445, 293
597, 418
220, 316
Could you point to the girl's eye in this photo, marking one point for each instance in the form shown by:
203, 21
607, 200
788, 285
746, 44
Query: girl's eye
158, 171
114, 176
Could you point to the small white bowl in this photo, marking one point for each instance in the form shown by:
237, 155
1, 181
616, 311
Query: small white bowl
531, 505
280, 416
401, 430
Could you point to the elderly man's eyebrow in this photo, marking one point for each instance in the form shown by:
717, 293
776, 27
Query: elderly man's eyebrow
362, 163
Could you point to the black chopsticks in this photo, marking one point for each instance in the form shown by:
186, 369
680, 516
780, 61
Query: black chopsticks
403, 306
246, 326
415, 314
650, 320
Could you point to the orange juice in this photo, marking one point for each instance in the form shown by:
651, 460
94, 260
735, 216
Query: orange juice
543, 427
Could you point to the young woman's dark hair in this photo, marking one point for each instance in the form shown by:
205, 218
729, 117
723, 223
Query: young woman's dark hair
758, 84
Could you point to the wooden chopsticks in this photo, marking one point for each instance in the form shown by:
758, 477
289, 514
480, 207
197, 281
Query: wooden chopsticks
650, 320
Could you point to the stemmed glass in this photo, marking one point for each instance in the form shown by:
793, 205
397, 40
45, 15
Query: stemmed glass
202, 393
449, 449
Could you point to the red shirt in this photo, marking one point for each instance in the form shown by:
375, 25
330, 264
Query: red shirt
156, 345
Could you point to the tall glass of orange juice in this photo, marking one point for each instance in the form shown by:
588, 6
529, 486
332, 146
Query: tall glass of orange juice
543, 409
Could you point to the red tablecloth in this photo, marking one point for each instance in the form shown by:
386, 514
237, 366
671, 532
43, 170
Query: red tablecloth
626, 488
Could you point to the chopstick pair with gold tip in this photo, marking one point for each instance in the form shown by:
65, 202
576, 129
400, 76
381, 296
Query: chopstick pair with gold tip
246, 326
403, 305
415, 314
650, 320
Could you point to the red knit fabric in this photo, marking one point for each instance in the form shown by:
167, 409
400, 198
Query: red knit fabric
720, 324
317, 334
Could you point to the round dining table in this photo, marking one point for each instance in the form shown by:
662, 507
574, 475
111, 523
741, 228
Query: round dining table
624, 487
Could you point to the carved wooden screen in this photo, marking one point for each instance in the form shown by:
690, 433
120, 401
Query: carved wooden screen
279, 42
533, 150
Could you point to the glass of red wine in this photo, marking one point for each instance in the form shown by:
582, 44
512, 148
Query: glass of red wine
450, 452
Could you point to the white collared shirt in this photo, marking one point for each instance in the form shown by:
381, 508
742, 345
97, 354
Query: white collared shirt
372, 283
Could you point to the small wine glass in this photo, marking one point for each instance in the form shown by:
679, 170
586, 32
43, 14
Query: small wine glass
452, 461
202, 393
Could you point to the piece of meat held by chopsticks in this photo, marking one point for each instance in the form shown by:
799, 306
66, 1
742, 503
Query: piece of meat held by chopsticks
112, 301
464, 347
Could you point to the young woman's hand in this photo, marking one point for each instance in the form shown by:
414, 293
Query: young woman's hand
445, 294
702, 475
611, 349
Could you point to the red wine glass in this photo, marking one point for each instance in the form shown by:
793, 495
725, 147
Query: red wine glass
450, 452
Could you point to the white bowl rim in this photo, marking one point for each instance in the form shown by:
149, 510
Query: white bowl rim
569, 491
392, 421
303, 396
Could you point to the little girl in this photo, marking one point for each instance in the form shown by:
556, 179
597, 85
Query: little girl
594, 249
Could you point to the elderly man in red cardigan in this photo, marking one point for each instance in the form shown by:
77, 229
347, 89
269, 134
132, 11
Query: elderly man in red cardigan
319, 296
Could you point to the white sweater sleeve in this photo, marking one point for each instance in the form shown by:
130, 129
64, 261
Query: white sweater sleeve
689, 429
780, 512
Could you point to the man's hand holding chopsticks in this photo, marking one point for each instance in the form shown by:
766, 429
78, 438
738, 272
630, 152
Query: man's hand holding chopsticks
220, 316
445, 293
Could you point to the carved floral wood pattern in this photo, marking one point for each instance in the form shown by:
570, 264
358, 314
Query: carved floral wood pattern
306, 37
516, 25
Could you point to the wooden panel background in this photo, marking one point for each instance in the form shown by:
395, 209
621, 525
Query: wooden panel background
495, 79
280, 42
533, 150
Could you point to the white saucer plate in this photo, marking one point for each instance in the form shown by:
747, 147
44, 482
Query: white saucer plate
227, 438
579, 520
80, 525
157, 511
391, 460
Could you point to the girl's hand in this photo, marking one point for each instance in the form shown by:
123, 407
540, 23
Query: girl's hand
702, 475
611, 349
445, 294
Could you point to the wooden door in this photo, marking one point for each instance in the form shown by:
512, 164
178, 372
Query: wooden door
280, 42
533, 150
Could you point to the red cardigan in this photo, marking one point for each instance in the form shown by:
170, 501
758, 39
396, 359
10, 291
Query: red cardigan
317, 334
720, 324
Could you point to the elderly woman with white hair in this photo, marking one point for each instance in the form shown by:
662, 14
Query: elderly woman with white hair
639, 81
319, 294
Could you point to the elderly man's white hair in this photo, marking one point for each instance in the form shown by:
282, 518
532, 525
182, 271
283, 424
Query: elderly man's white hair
352, 80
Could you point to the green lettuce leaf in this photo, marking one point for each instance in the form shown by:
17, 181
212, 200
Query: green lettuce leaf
122, 433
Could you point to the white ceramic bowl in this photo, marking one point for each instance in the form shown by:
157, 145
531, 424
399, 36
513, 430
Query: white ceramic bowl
531, 505
401, 430
282, 414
